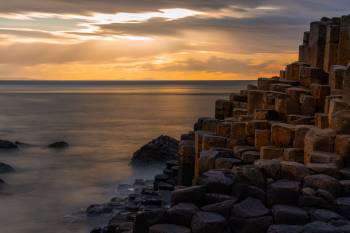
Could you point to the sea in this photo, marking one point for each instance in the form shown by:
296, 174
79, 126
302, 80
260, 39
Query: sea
104, 122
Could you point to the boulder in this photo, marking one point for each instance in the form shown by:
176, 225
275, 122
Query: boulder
217, 181
283, 192
320, 227
270, 168
250, 208
168, 228
293, 170
249, 174
283, 228
223, 208
324, 215
58, 145
208, 222
5, 168
290, 215
194, 194
242, 191
343, 205
161, 149
325, 182
211, 198
329, 169
182, 213
250, 225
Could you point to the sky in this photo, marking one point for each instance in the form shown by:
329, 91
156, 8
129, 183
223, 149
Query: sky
154, 39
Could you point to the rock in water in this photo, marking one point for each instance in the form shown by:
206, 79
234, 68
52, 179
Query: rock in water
5, 168
161, 149
58, 145
7, 145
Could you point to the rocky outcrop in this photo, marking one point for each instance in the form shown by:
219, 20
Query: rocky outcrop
159, 150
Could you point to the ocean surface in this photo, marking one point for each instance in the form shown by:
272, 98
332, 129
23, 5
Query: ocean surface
104, 122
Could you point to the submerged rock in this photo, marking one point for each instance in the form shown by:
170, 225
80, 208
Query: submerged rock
4, 144
5, 168
159, 150
58, 145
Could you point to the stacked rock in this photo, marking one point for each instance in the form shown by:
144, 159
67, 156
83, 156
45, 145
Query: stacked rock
275, 158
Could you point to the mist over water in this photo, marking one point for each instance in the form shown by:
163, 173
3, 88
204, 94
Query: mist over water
104, 122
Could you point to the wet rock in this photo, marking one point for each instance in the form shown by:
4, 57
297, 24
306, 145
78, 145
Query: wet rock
283, 228
217, 181
283, 192
315, 199
207, 222
223, 208
58, 145
290, 215
182, 213
250, 225
96, 210
4, 144
194, 194
146, 219
168, 228
323, 182
161, 149
320, 227
5, 168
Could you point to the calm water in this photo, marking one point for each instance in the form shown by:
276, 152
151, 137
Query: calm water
105, 122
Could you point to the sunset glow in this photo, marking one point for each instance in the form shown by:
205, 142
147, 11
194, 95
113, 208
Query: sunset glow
130, 41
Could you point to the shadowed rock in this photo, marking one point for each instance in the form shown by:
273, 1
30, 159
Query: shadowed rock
159, 150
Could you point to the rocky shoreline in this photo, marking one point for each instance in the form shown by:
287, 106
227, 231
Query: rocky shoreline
275, 158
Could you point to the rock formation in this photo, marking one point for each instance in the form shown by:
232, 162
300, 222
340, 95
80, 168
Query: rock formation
275, 158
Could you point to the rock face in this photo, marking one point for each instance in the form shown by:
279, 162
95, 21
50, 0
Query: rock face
159, 150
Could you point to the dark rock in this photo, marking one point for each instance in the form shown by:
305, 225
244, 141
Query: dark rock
324, 215
217, 181
242, 191
207, 222
344, 228
194, 194
289, 215
7, 145
5, 168
249, 174
58, 145
320, 227
223, 208
270, 168
96, 210
309, 198
250, 225
182, 213
282, 228
211, 198
325, 182
283, 192
343, 205
146, 219
161, 149
165, 186
169, 228
250, 208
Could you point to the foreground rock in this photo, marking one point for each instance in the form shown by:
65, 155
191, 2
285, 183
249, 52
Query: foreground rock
58, 145
4, 144
159, 150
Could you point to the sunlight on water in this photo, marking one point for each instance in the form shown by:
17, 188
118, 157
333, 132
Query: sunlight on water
50, 189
